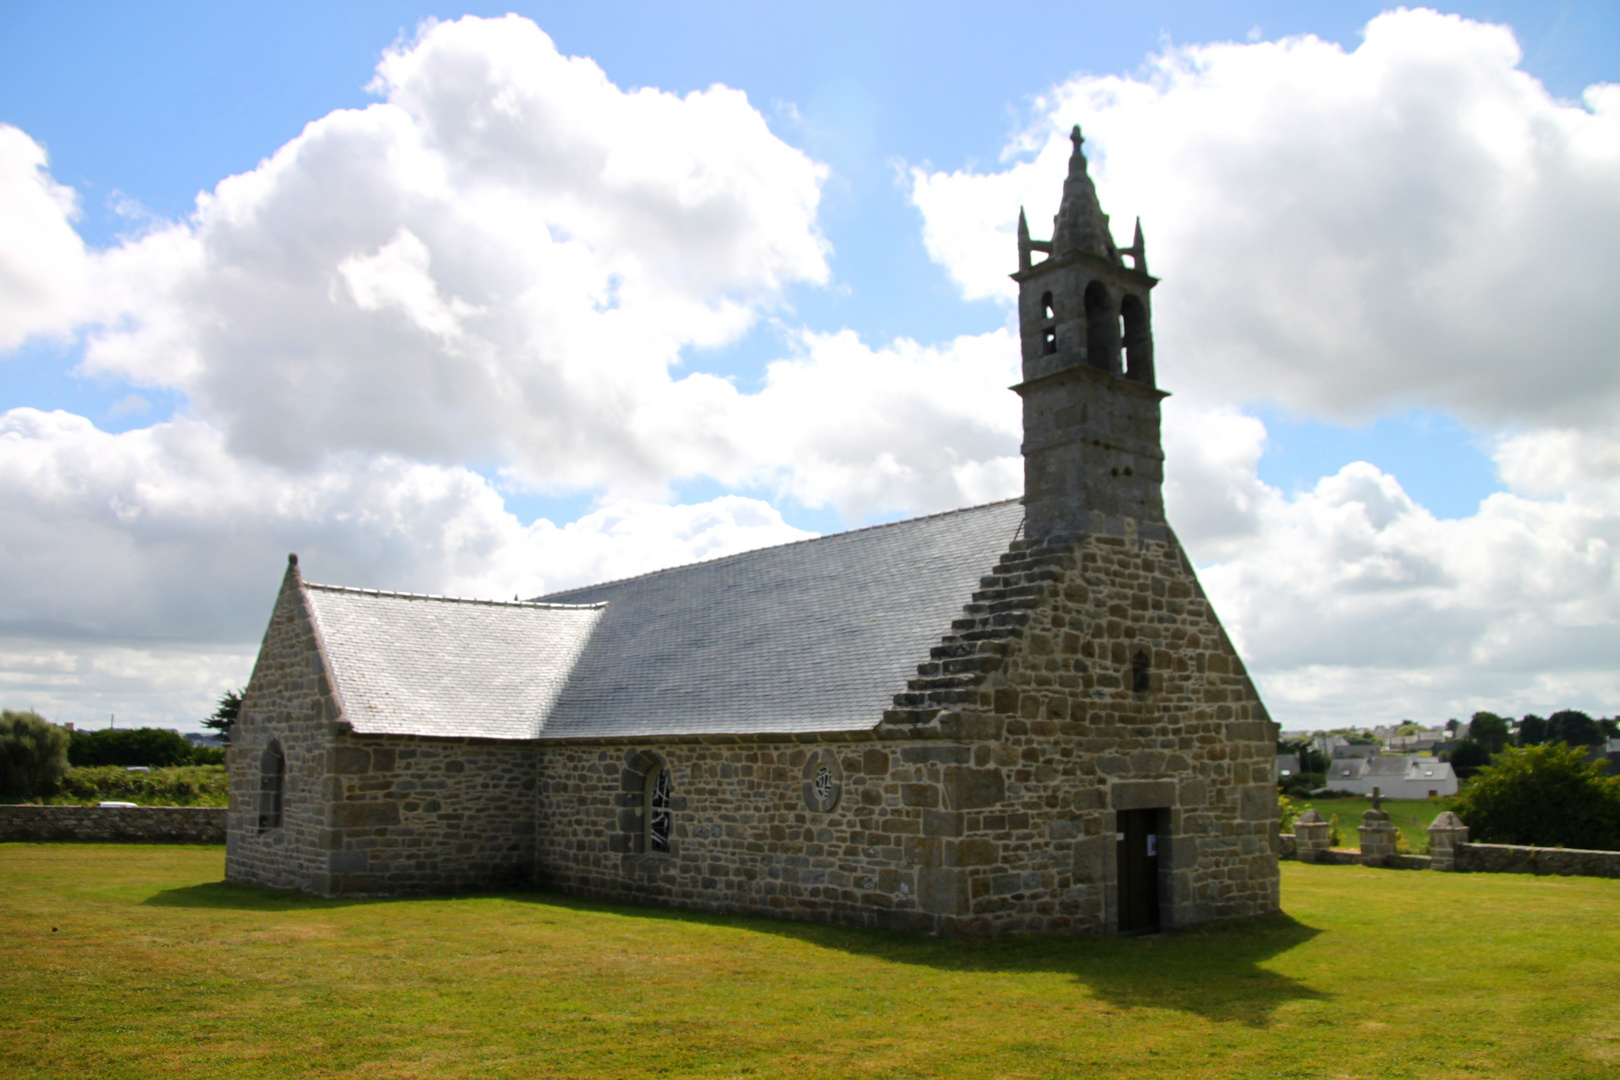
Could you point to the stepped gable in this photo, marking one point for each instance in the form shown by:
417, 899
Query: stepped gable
987, 632
815, 636
410, 664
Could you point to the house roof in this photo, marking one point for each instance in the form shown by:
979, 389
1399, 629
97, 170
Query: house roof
1387, 765
812, 636
407, 664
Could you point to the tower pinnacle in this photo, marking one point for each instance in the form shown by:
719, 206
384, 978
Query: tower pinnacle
1080, 224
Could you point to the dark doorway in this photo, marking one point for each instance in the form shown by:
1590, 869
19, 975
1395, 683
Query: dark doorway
1138, 844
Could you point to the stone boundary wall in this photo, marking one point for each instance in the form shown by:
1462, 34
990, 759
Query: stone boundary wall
1515, 859
1482, 859
113, 824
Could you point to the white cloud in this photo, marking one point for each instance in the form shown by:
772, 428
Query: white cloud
1416, 221
906, 427
1354, 604
43, 264
130, 560
502, 261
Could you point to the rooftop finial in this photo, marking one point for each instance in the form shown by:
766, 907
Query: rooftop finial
1080, 224
292, 558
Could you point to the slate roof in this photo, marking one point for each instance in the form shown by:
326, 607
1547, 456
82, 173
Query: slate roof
407, 664
812, 636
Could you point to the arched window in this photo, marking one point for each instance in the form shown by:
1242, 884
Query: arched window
1048, 333
272, 778
1102, 329
1138, 340
660, 813
1141, 672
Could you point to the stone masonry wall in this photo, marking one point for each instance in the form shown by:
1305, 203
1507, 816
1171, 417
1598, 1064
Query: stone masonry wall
289, 700
415, 815
986, 800
114, 824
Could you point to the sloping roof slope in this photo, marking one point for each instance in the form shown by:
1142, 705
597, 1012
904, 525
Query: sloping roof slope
423, 665
812, 636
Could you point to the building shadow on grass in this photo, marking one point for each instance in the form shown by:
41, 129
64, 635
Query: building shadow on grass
1216, 971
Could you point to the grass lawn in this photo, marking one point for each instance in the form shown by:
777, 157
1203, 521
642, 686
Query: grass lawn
135, 962
1412, 816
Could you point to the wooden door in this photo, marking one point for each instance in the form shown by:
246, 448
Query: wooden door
1137, 839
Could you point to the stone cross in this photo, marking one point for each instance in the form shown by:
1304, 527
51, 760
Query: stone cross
1377, 800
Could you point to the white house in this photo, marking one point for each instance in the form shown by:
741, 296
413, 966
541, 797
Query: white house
1397, 776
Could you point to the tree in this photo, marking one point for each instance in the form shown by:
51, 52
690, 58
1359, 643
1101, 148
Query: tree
224, 716
1489, 730
1610, 728
1574, 727
1452, 726
1532, 730
1548, 795
33, 755
129, 746
1468, 757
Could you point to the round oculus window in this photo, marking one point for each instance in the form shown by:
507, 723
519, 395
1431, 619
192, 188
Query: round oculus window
823, 781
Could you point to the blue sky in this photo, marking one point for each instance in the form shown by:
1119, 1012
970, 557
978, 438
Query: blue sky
157, 102
140, 108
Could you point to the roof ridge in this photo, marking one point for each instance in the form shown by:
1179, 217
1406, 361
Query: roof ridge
453, 599
774, 547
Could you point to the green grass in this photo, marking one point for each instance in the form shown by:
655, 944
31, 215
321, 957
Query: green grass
1411, 816
136, 962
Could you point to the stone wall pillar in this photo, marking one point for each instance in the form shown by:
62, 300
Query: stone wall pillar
1310, 836
1377, 835
1446, 836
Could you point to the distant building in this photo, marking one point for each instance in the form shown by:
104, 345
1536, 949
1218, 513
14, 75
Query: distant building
1287, 765
1397, 776
1417, 742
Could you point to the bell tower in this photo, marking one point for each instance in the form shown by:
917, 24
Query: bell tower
1091, 407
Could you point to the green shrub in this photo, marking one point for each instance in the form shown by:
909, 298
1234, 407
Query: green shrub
189, 785
153, 747
33, 755
1548, 796
1287, 811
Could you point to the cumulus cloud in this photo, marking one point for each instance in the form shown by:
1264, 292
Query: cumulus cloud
43, 263
109, 535
1415, 221
1355, 604
121, 552
511, 260
502, 260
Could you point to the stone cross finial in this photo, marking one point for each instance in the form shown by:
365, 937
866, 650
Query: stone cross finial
1377, 799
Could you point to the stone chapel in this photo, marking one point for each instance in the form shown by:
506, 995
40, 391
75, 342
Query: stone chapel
1019, 717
